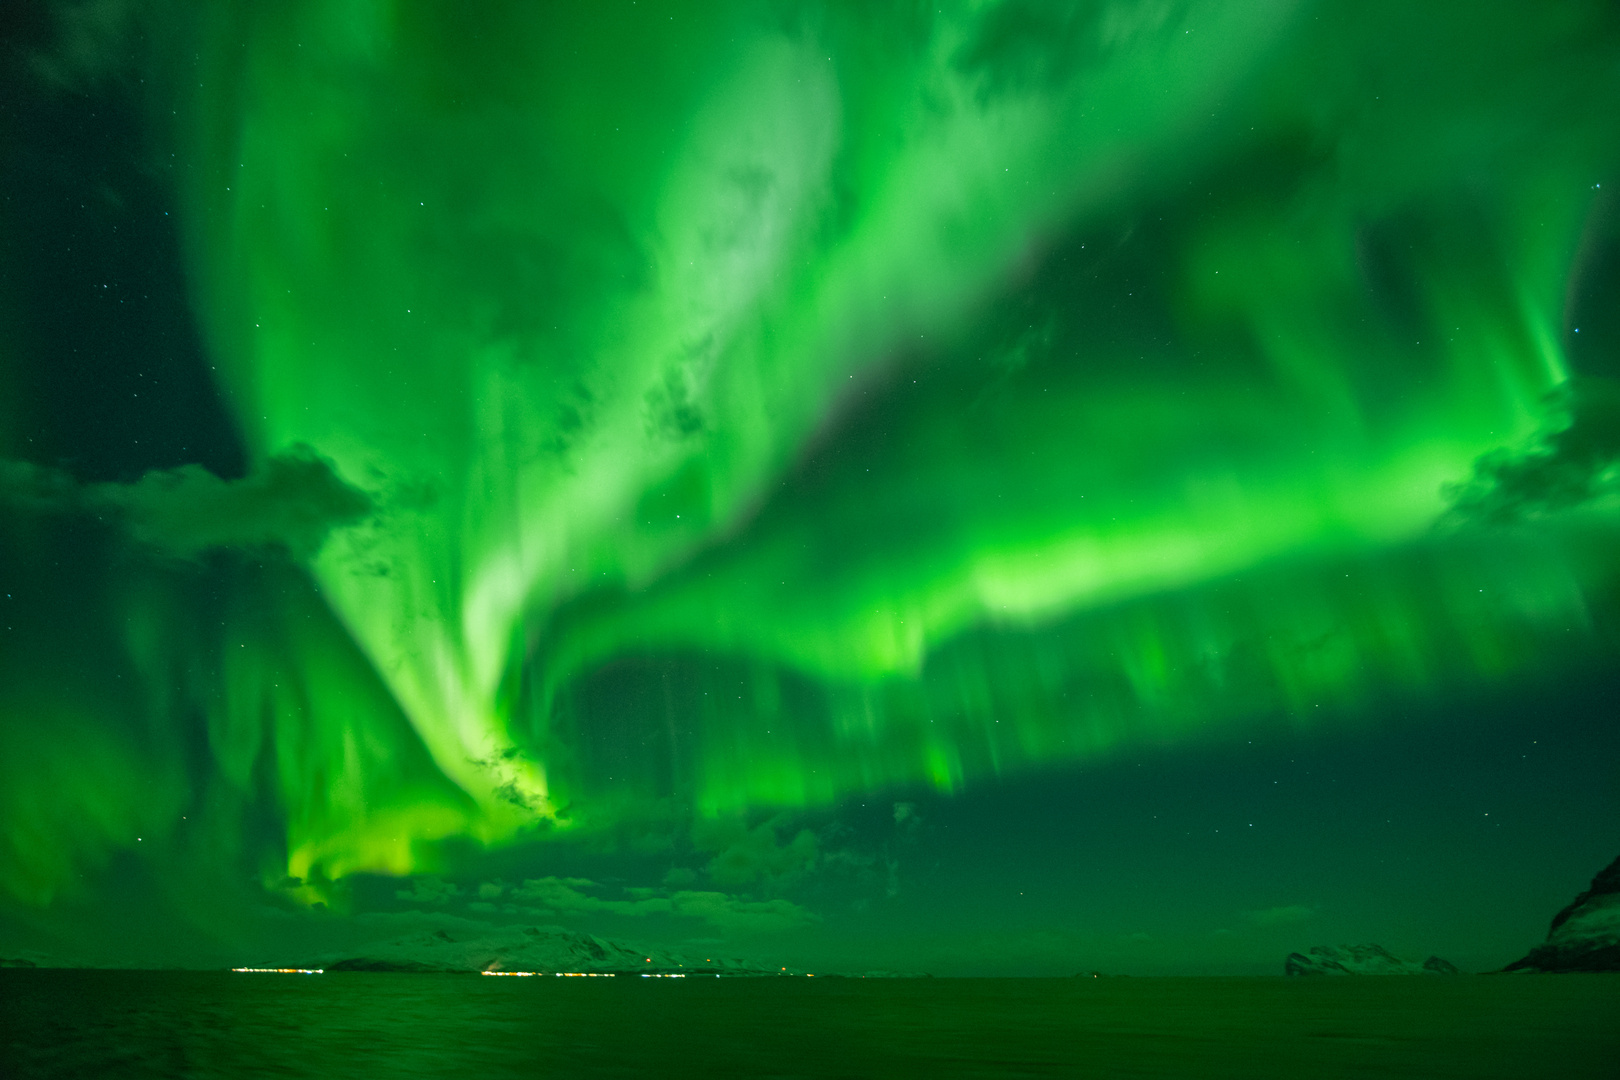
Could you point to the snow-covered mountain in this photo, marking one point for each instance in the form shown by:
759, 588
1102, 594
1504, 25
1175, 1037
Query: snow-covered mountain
1361, 960
547, 949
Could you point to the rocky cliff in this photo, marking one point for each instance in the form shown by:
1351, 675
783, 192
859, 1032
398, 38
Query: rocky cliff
1585, 936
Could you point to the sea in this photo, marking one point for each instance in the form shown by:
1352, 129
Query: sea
65, 1023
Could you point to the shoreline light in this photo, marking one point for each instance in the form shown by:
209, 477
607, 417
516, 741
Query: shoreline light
283, 971
582, 974
559, 974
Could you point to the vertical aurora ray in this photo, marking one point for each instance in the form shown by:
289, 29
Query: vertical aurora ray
769, 403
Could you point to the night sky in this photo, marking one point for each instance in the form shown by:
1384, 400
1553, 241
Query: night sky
1016, 487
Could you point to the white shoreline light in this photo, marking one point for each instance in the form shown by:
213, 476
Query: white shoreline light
284, 971
560, 974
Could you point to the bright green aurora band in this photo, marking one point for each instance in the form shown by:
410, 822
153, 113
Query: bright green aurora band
670, 411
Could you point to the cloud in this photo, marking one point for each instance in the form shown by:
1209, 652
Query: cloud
293, 501
747, 856
554, 895
745, 916
93, 42
568, 895
906, 819
1567, 468
35, 489
429, 890
1281, 916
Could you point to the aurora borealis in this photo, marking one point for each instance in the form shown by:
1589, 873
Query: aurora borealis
505, 435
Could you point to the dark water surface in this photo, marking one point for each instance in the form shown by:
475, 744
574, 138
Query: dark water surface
203, 1024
